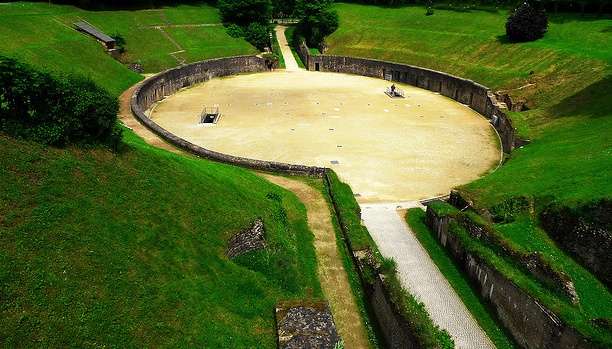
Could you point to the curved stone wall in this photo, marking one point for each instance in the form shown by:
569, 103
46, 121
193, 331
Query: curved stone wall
468, 92
170, 81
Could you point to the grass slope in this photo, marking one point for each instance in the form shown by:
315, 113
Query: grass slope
43, 35
568, 73
128, 249
565, 77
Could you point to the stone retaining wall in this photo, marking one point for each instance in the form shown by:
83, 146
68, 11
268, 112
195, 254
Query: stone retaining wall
391, 323
531, 324
468, 92
170, 81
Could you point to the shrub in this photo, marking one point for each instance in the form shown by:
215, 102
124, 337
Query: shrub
55, 110
317, 20
119, 42
258, 35
234, 30
528, 22
245, 12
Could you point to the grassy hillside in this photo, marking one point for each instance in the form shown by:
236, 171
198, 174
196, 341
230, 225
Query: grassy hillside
158, 39
565, 77
128, 249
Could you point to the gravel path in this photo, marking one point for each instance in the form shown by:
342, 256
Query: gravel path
420, 275
290, 62
333, 277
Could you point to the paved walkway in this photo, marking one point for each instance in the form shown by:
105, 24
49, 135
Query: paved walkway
290, 62
420, 275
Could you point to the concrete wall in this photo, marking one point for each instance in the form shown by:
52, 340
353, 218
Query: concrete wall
170, 81
477, 96
531, 324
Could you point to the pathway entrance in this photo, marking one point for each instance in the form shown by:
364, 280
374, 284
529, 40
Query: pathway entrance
290, 62
419, 274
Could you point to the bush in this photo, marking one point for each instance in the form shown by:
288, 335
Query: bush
55, 110
245, 12
258, 35
528, 22
317, 20
119, 42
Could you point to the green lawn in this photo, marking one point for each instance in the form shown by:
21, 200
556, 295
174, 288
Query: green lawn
38, 30
566, 77
128, 249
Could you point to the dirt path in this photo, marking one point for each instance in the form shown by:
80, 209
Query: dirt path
290, 62
420, 275
331, 270
334, 279
128, 119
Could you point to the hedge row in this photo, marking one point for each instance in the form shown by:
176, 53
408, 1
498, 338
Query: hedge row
55, 110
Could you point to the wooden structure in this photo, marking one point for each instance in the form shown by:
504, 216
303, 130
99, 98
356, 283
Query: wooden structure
89, 29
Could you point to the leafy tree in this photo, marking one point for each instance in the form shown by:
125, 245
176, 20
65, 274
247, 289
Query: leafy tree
283, 8
528, 22
258, 34
317, 20
245, 12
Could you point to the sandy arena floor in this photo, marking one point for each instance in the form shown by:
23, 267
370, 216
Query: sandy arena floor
386, 149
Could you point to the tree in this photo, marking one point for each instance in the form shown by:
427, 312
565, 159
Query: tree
245, 12
317, 20
258, 34
528, 22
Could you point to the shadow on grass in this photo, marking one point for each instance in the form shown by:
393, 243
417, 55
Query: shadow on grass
592, 101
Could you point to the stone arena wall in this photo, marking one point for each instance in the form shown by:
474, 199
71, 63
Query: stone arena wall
531, 324
468, 92
170, 81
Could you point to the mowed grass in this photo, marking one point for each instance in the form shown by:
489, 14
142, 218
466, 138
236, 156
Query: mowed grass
452, 272
152, 38
568, 75
127, 250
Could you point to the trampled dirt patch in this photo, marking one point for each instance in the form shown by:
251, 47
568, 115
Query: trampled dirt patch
387, 149
334, 279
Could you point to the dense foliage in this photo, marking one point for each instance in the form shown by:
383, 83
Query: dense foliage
248, 19
528, 22
245, 12
283, 8
55, 110
317, 20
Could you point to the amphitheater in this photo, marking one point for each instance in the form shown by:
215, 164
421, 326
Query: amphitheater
394, 151
388, 149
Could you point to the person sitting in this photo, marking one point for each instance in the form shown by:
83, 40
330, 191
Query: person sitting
393, 89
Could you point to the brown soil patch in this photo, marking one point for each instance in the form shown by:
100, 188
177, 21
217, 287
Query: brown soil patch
334, 279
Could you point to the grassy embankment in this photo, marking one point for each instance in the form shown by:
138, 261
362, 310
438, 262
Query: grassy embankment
127, 249
565, 78
158, 39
